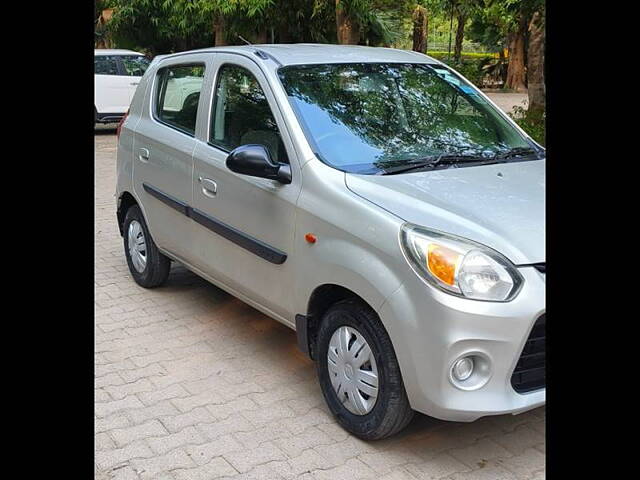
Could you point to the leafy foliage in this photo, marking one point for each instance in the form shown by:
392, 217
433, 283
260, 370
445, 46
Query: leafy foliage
532, 122
164, 26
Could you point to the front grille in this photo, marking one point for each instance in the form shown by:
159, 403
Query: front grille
529, 373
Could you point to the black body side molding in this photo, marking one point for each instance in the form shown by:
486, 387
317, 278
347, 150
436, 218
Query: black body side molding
167, 199
232, 234
241, 239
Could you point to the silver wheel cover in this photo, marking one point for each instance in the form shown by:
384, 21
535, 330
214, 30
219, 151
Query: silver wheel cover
137, 246
353, 370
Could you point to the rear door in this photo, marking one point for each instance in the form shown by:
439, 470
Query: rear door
163, 148
112, 89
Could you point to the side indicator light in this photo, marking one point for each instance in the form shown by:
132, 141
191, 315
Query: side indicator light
310, 238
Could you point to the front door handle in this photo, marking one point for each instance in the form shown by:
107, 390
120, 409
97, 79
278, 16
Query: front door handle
209, 187
143, 155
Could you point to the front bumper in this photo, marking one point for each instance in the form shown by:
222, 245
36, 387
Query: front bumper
430, 329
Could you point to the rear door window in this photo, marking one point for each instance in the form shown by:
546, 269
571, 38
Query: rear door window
105, 65
134, 65
177, 96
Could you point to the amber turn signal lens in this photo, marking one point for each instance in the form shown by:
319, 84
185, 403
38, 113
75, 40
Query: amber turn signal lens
442, 263
310, 237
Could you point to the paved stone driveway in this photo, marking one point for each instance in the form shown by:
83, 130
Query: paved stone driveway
191, 383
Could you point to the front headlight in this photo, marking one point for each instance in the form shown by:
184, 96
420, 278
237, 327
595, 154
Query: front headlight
459, 266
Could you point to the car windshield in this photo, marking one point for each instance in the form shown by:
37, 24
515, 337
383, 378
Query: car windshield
373, 117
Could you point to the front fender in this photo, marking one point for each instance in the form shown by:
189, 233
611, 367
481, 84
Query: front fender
357, 244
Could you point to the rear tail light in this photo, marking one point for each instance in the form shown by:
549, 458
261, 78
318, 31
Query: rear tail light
120, 123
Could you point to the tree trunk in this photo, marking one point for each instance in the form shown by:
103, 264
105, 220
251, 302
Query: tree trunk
261, 36
535, 64
348, 31
284, 36
219, 31
516, 72
457, 52
420, 29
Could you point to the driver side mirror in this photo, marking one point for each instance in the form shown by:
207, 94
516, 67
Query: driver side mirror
255, 161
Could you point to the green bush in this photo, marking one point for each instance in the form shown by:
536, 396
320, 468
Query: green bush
440, 55
531, 122
470, 64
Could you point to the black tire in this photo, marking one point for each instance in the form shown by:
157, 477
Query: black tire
391, 412
157, 267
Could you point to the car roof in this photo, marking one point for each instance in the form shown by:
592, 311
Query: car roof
316, 53
115, 51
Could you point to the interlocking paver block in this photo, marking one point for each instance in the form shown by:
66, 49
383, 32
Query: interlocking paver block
153, 468
439, 466
110, 458
196, 416
475, 455
352, 469
103, 409
144, 372
172, 391
187, 436
216, 468
160, 410
487, 473
526, 464
118, 392
244, 460
204, 452
522, 438
124, 436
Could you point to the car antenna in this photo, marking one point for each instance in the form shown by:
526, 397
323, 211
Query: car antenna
244, 39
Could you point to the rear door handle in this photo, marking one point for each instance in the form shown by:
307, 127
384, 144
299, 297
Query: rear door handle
209, 187
143, 155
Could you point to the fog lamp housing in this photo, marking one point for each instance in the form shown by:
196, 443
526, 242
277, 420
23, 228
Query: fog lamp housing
470, 371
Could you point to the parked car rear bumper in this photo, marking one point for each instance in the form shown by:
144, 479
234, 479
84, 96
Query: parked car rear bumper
109, 117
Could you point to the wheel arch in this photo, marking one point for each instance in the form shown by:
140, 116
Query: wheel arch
125, 202
320, 300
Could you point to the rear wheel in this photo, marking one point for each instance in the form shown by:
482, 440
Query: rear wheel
359, 373
148, 266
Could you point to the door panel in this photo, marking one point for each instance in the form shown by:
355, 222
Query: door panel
244, 235
113, 93
168, 171
163, 160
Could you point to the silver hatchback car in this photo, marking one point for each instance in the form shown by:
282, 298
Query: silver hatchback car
371, 199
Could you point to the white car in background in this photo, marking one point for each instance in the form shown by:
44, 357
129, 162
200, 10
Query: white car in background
117, 74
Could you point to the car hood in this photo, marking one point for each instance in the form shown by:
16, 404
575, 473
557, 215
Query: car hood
501, 206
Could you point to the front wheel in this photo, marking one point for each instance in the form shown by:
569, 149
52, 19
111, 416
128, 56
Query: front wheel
359, 373
148, 266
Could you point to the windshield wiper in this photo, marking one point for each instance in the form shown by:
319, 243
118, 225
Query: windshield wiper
432, 162
516, 152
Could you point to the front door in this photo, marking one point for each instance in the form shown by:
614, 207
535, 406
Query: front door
245, 225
